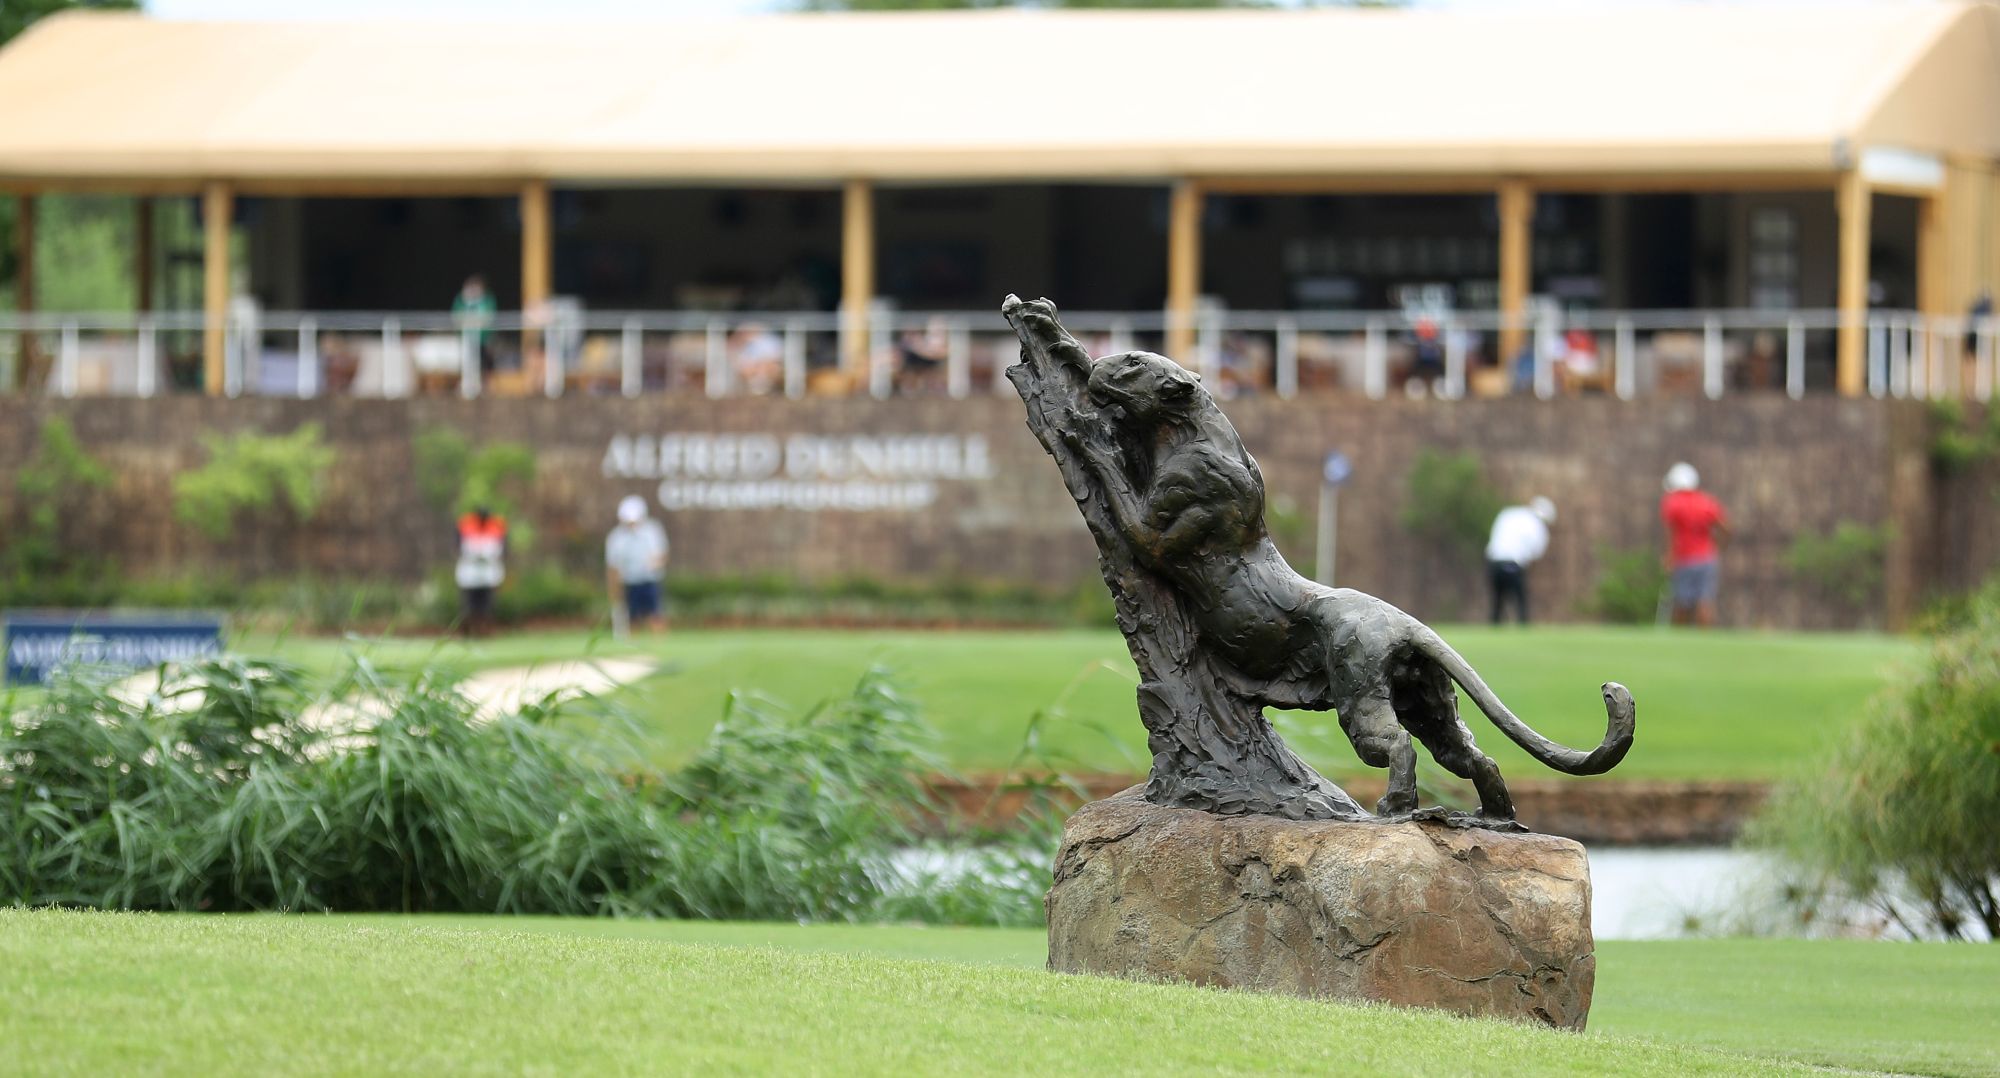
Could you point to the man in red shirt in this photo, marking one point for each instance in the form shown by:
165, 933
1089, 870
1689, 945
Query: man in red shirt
1696, 527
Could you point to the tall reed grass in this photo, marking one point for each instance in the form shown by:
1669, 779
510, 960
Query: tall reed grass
245, 785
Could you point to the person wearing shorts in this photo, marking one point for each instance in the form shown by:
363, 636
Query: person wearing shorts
1696, 527
635, 561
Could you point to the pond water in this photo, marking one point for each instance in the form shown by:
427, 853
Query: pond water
1641, 893
1637, 893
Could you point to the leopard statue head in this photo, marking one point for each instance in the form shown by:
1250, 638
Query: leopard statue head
1147, 386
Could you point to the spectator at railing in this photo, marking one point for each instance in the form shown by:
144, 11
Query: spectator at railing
1760, 368
1233, 377
1426, 358
1580, 366
1976, 318
1521, 367
598, 367
757, 355
921, 356
438, 362
472, 312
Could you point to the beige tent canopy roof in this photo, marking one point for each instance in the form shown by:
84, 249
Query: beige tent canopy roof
998, 95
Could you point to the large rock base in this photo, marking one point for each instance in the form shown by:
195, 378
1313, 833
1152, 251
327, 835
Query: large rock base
1418, 913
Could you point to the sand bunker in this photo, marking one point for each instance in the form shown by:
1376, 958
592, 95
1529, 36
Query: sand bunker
493, 693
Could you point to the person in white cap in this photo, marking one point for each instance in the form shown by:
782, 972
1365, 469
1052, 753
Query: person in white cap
635, 561
1696, 527
1519, 538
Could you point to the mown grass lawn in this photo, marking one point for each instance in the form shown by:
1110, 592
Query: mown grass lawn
1719, 705
1928, 1008
119, 993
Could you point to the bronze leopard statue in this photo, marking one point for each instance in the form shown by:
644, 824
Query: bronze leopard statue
1188, 500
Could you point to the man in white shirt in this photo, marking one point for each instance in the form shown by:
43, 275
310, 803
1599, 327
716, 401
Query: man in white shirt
1520, 537
635, 560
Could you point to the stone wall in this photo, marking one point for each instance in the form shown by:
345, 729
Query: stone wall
1962, 542
979, 499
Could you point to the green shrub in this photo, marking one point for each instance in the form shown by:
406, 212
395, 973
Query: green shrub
103, 588
1947, 612
438, 460
79, 587
546, 593
455, 478
775, 598
1628, 587
214, 795
1449, 504
1293, 531
48, 491
186, 590
331, 604
1956, 444
1846, 564
1092, 605
256, 474
813, 789
496, 476
1901, 814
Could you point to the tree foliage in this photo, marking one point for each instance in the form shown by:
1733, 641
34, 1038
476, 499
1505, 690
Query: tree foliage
1901, 814
16, 16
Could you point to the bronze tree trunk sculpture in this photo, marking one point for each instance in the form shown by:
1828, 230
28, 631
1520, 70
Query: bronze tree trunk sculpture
1212, 747
1221, 627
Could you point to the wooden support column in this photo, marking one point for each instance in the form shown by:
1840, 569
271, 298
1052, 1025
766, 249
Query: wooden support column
857, 275
1964, 237
24, 253
537, 250
1851, 356
1935, 296
1183, 270
537, 272
143, 257
1987, 229
218, 205
1517, 220
1933, 302
24, 285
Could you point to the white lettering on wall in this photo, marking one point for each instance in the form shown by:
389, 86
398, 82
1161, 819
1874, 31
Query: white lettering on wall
811, 472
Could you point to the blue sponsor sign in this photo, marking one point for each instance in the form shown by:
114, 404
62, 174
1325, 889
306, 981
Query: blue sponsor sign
1336, 470
39, 643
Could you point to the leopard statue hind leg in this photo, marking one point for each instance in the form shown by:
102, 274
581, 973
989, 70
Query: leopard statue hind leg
1425, 701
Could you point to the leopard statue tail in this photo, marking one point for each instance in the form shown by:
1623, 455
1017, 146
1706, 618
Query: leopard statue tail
1617, 705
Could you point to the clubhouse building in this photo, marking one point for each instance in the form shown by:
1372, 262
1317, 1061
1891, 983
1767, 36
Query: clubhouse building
1708, 197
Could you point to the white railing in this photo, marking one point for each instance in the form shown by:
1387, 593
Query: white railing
1625, 354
